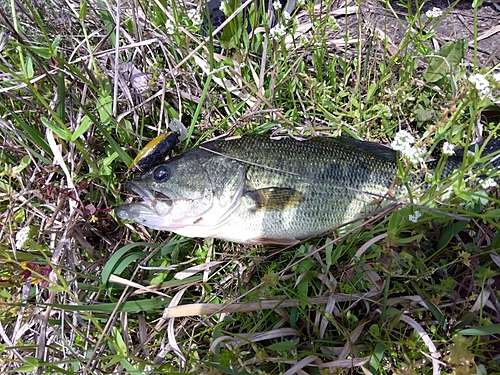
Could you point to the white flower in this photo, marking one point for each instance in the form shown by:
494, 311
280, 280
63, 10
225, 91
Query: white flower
301, 3
488, 183
276, 5
224, 8
21, 237
169, 27
434, 13
402, 140
195, 17
414, 218
448, 149
481, 83
496, 77
286, 16
388, 111
415, 155
277, 32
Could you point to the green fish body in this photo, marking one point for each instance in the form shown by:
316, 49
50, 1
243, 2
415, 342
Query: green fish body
256, 190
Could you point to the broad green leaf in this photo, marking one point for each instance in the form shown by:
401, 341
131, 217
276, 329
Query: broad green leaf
446, 59
450, 232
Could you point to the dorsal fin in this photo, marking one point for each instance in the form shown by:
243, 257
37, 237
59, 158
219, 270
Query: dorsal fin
375, 148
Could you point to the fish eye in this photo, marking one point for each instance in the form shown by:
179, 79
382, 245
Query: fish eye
162, 173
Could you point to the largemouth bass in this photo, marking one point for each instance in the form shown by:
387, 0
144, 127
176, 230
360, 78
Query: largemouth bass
255, 190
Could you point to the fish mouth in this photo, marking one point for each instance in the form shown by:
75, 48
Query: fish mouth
145, 201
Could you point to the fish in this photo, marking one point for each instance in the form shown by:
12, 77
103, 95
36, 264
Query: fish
261, 191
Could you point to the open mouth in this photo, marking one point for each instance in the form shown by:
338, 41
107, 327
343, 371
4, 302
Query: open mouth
150, 198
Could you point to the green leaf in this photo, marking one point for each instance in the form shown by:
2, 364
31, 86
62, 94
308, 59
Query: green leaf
284, 346
83, 11
55, 44
82, 128
61, 132
118, 341
117, 258
30, 364
446, 59
105, 108
231, 34
30, 72
450, 232
129, 306
493, 329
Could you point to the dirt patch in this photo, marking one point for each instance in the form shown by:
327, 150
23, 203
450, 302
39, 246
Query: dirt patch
458, 23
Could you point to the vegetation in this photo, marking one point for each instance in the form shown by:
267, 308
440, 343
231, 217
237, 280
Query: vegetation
412, 290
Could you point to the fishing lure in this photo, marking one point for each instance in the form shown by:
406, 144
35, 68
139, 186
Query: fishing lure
157, 149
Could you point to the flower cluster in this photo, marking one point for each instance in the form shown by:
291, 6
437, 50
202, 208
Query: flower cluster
434, 13
481, 83
277, 32
448, 149
488, 183
169, 27
21, 237
403, 142
195, 17
496, 77
276, 5
414, 218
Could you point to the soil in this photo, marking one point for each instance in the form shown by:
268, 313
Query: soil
458, 23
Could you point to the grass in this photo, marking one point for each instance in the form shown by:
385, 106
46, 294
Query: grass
82, 292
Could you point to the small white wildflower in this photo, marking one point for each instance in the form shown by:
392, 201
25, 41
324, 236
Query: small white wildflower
488, 183
388, 111
434, 13
481, 83
21, 237
496, 77
448, 149
414, 218
195, 17
402, 140
276, 5
169, 27
301, 3
286, 16
277, 32
415, 155
224, 8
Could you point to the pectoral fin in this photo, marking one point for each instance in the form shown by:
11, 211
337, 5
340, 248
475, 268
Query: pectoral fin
275, 198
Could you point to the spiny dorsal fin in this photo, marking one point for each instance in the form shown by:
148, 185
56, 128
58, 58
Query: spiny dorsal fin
380, 150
